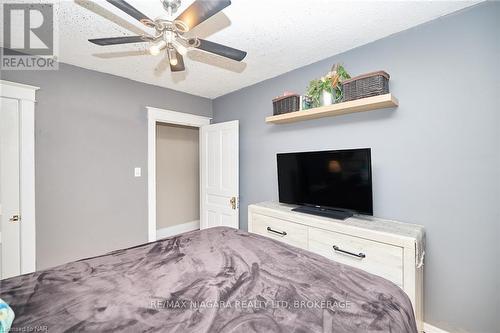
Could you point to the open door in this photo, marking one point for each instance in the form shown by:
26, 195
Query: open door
219, 181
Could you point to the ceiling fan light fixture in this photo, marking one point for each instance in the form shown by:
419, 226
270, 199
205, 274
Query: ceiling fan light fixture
148, 23
181, 26
172, 56
155, 49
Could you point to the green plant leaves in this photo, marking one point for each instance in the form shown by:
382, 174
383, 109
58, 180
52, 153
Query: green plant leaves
318, 85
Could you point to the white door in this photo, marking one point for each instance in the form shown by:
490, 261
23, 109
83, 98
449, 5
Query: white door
9, 188
219, 175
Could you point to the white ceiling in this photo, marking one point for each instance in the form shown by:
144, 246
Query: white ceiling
279, 36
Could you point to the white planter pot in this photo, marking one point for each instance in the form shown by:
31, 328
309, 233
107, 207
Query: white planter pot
326, 98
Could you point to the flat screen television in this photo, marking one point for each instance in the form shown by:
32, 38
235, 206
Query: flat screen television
327, 182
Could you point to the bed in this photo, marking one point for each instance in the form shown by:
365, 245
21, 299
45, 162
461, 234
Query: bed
213, 280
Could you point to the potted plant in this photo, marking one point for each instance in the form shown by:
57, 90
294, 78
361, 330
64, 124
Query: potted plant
328, 89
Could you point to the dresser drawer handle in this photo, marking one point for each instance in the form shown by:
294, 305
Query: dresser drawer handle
282, 233
359, 255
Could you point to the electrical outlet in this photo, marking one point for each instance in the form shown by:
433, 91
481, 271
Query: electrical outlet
137, 172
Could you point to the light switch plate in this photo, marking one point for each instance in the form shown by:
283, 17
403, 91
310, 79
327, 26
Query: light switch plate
137, 172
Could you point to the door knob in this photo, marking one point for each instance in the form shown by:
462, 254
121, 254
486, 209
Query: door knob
233, 202
14, 218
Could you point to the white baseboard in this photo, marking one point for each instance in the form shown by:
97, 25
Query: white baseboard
177, 229
433, 329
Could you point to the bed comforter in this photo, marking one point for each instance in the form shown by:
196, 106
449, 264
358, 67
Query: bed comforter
213, 280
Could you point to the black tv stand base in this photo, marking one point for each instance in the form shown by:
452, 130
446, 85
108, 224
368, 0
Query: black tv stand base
338, 214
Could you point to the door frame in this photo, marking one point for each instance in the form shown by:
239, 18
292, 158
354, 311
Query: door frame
155, 116
25, 95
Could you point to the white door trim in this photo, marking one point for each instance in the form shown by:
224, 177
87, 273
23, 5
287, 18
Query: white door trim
25, 94
156, 115
19, 91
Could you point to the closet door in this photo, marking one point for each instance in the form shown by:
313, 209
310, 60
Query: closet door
219, 175
17, 178
9, 188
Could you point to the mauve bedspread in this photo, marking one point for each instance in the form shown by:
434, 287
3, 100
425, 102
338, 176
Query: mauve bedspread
214, 280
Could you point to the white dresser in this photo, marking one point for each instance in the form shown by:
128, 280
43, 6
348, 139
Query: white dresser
393, 250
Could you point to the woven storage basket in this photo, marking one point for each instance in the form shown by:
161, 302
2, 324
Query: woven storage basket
366, 85
285, 104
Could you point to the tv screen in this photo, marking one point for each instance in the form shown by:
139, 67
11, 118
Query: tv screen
339, 179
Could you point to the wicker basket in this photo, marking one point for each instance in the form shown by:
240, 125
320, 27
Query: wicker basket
285, 104
366, 85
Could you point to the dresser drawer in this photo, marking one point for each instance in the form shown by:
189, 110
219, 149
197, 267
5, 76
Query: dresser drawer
377, 258
284, 231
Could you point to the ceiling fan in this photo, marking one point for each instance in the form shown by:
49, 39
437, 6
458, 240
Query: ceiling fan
169, 34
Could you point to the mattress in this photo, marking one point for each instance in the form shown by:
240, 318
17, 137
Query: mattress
213, 280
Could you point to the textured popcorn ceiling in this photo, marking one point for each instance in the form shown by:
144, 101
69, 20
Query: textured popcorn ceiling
279, 36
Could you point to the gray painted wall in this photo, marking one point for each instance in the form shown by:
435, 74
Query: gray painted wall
436, 159
91, 131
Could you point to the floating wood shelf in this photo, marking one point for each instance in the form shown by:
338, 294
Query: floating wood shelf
359, 105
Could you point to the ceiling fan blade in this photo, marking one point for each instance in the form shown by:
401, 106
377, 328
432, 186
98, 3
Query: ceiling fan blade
200, 10
129, 9
180, 63
221, 50
118, 40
